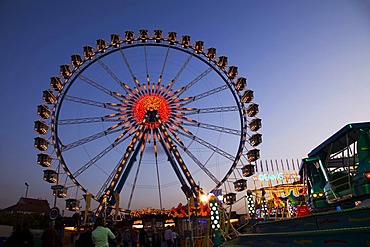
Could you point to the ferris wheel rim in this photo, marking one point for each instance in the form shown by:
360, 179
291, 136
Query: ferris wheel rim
201, 56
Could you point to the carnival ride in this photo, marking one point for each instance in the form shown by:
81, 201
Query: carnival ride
337, 172
275, 191
138, 116
336, 176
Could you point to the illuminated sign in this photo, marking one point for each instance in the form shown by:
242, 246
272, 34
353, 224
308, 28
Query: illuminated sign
267, 177
280, 176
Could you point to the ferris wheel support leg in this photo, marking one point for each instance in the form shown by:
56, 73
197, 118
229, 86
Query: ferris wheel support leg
184, 186
110, 200
173, 154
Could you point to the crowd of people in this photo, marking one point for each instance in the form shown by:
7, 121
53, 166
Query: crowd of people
111, 236
100, 236
22, 237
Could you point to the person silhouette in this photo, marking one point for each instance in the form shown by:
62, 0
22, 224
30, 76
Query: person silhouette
50, 237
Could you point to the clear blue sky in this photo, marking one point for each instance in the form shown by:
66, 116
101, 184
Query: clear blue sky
307, 61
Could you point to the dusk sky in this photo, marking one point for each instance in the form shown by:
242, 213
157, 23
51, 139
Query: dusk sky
308, 63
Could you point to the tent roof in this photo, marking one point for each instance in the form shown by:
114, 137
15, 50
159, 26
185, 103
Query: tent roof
30, 205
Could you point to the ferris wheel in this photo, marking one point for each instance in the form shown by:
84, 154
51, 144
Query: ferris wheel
149, 118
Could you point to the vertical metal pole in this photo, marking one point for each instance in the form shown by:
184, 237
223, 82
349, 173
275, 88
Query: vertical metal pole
25, 203
26, 189
190, 229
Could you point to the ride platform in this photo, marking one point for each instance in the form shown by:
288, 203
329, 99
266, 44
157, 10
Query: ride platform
350, 227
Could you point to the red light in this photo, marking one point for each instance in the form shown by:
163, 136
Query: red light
151, 102
367, 175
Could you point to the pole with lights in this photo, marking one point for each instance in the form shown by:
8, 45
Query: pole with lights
251, 207
215, 221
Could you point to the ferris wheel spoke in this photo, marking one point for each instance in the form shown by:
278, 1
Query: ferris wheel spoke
146, 63
129, 68
205, 94
157, 170
239, 173
166, 185
91, 102
148, 89
120, 83
193, 82
107, 118
197, 161
208, 145
172, 82
100, 155
193, 111
194, 123
163, 67
169, 86
89, 139
99, 87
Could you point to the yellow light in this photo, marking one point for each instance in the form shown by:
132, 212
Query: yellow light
70, 228
203, 198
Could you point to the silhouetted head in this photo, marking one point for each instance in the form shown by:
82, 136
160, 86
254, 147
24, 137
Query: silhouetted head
99, 222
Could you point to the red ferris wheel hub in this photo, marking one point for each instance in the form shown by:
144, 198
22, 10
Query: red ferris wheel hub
151, 102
